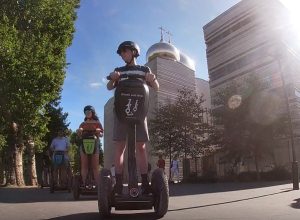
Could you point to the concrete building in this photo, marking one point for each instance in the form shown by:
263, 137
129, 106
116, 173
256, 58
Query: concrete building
255, 37
174, 70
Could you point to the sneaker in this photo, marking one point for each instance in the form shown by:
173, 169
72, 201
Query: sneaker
146, 189
118, 190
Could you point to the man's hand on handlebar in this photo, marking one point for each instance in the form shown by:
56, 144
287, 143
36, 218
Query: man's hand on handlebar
150, 77
99, 132
114, 76
79, 132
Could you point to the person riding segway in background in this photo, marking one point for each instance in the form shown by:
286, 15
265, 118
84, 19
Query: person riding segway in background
90, 127
129, 51
60, 160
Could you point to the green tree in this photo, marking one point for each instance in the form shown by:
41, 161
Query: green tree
34, 36
179, 128
2, 159
247, 121
191, 126
57, 120
163, 130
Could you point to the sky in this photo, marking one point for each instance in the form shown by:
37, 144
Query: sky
102, 25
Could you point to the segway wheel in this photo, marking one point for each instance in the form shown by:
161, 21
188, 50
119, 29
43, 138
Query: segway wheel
76, 187
160, 189
104, 193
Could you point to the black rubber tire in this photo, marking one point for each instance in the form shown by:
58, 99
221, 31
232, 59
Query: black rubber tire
160, 189
104, 193
76, 187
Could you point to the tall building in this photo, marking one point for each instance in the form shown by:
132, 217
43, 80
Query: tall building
254, 38
174, 70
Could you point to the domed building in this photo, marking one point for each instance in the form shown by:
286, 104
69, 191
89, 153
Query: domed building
164, 50
174, 70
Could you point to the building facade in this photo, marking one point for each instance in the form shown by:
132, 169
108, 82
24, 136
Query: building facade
253, 38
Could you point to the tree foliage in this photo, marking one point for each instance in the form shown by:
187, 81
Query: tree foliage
57, 121
192, 126
34, 36
179, 128
248, 121
163, 130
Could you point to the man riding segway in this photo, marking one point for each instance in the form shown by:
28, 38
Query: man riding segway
130, 123
61, 174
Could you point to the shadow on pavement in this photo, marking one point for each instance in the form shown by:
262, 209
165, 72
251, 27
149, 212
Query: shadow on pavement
95, 215
184, 189
296, 204
233, 201
31, 195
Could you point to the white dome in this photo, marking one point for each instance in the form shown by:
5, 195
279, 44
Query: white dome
164, 50
187, 61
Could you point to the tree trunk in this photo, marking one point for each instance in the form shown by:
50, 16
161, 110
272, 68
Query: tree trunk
10, 166
2, 171
32, 164
256, 166
196, 167
19, 165
170, 159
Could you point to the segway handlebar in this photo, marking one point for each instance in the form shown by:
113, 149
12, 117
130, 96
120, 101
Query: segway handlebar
129, 76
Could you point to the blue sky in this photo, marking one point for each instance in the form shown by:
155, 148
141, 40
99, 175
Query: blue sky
102, 25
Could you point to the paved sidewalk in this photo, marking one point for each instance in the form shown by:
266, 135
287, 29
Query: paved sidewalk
215, 201
274, 201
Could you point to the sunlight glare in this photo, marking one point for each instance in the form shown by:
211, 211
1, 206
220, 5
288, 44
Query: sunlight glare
235, 101
294, 7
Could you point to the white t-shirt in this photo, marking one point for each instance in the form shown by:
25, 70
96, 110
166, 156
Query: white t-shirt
60, 144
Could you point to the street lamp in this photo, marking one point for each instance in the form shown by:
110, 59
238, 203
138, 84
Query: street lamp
295, 174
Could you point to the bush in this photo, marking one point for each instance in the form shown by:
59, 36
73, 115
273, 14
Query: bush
278, 173
247, 176
207, 177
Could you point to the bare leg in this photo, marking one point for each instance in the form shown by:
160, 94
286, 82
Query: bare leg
141, 155
119, 156
119, 165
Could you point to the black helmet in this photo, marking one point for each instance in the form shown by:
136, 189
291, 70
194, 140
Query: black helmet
131, 45
89, 108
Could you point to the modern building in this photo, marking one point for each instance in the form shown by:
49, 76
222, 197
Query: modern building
174, 70
256, 38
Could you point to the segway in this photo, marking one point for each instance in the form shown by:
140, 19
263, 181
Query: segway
131, 106
58, 163
90, 187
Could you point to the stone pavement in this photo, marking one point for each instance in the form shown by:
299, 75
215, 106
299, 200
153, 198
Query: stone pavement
267, 200
214, 201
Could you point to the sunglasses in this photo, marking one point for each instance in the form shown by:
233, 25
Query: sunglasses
87, 112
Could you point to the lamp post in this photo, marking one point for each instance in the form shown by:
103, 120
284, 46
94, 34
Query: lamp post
295, 174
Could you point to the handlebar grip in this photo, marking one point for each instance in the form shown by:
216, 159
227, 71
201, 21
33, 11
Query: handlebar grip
132, 76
